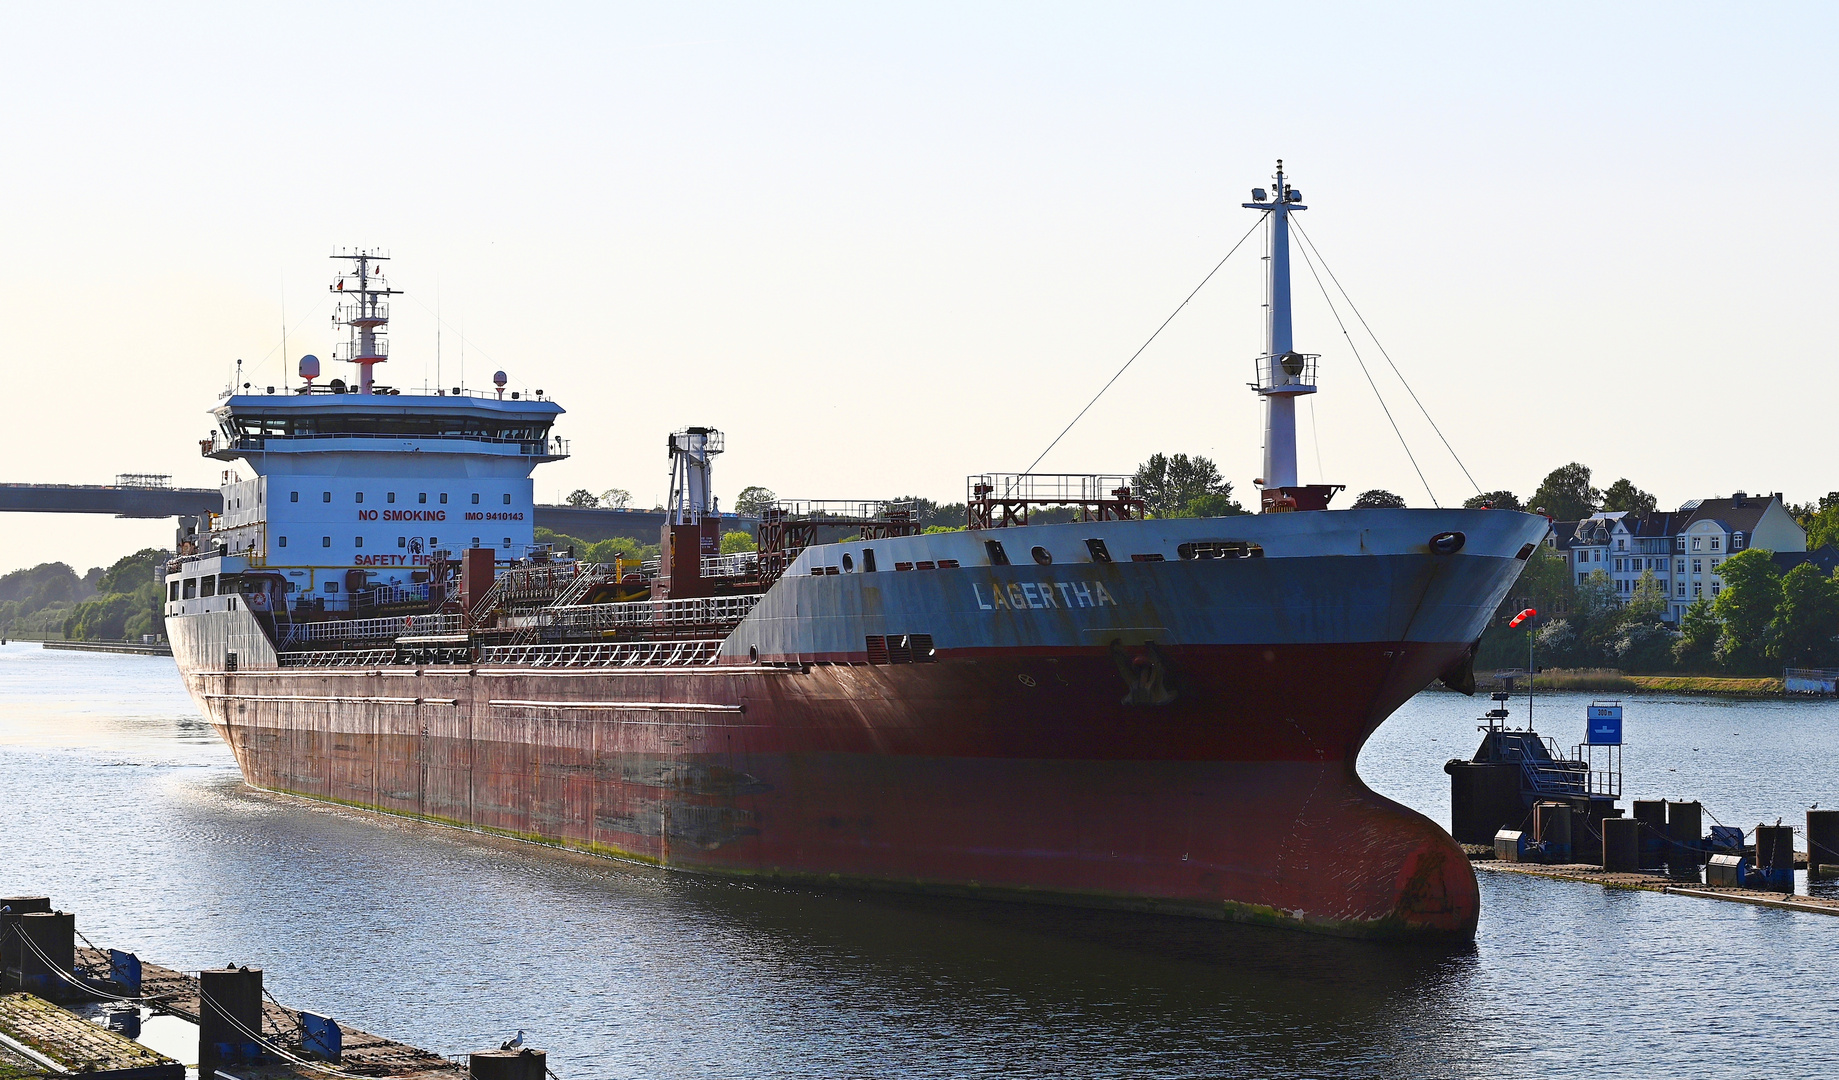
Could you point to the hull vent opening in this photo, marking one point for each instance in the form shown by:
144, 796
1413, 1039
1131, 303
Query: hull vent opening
1221, 549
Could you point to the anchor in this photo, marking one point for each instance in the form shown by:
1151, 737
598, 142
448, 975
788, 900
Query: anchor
1146, 676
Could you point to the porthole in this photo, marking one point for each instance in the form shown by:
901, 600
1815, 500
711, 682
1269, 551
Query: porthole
849, 564
1042, 555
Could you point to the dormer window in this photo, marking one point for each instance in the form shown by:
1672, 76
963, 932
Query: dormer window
1736, 541
1679, 543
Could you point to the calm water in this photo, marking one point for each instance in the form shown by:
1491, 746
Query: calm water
117, 801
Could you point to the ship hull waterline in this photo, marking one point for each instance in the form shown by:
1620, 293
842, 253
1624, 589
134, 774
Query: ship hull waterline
1238, 800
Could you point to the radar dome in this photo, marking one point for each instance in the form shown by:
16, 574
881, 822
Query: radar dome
309, 367
499, 379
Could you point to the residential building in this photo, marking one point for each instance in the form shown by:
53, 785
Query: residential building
1681, 548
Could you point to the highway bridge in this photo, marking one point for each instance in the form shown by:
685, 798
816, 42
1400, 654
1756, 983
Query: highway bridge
152, 496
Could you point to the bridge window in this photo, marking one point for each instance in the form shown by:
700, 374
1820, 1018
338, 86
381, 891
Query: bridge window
332, 586
402, 541
172, 590
507, 498
391, 497
207, 585
191, 589
325, 541
424, 497
358, 542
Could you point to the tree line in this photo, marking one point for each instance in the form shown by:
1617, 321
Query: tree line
125, 600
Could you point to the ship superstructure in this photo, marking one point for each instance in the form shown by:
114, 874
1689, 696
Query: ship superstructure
1112, 710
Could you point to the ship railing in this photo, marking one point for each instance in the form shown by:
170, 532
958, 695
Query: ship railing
738, 564
642, 614
218, 443
331, 658
396, 594
1556, 778
695, 653
369, 629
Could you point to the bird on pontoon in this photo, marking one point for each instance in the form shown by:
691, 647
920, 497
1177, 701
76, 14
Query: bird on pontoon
513, 1042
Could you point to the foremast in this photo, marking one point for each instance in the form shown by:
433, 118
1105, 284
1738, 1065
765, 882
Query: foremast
1283, 373
364, 310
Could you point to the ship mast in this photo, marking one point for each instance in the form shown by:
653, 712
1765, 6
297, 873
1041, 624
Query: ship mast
1283, 373
364, 310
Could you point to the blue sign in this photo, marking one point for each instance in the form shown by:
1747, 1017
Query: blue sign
1603, 725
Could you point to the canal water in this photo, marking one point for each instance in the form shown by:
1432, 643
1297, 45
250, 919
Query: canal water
122, 805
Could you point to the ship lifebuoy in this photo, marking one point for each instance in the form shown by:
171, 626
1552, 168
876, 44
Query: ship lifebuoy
258, 601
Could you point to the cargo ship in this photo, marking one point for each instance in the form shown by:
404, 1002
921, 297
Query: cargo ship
1107, 709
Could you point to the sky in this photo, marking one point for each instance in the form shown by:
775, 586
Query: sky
884, 247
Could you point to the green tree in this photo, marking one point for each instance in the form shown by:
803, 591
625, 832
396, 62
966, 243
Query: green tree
618, 498
1807, 619
1645, 642
600, 551
1565, 494
1623, 495
737, 542
582, 497
1649, 602
1379, 499
1597, 618
1821, 522
1213, 504
1696, 650
1747, 604
1499, 500
1167, 484
130, 572
752, 500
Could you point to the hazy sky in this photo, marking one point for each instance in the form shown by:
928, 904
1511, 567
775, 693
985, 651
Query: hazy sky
883, 248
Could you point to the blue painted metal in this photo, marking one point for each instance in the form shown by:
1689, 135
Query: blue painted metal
1604, 727
321, 1036
124, 969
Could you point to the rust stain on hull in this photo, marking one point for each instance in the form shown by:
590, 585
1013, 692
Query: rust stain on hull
1020, 777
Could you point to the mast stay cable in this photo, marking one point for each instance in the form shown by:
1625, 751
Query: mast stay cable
1369, 376
1382, 351
1145, 345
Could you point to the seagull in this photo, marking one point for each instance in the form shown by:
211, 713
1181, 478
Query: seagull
514, 1042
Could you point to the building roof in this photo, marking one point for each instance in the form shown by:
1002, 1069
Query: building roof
1739, 513
1825, 559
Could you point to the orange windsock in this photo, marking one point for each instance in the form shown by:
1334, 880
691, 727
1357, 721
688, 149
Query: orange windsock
1522, 617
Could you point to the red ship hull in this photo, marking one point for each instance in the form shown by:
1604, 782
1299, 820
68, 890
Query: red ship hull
991, 772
